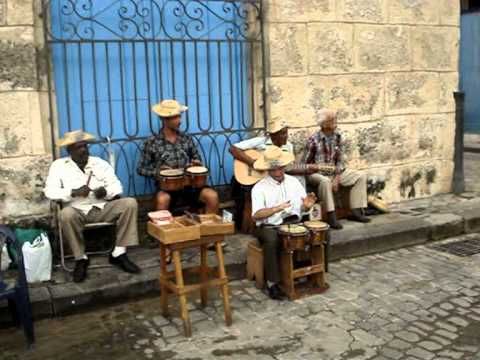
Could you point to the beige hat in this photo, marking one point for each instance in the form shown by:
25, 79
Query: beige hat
273, 157
72, 137
169, 108
275, 126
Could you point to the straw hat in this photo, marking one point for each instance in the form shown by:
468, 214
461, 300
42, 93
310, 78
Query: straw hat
169, 108
273, 157
72, 137
378, 204
275, 126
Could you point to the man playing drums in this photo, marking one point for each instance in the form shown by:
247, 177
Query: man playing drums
326, 147
90, 192
276, 199
172, 151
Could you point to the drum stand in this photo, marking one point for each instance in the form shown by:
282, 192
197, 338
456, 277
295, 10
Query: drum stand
315, 272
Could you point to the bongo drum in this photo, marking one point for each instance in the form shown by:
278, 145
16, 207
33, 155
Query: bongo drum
317, 231
171, 179
196, 176
293, 237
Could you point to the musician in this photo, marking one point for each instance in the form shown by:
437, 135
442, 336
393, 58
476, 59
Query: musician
276, 199
173, 149
326, 147
277, 135
89, 190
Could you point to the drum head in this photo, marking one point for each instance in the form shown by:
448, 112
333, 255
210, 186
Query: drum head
316, 225
293, 229
171, 172
197, 170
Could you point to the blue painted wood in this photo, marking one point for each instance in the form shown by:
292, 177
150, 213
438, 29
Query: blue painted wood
107, 87
470, 70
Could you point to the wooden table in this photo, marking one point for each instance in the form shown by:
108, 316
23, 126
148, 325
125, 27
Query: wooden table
173, 281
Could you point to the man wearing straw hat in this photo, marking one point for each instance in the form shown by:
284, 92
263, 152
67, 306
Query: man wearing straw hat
326, 147
276, 199
90, 190
172, 149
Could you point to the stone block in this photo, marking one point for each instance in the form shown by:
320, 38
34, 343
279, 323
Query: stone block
330, 48
445, 225
434, 136
374, 11
435, 48
17, 59
450, 12
288, 101
20, 12
356, 98
301, 11
3, 12
21, 184
288, 49
413, 11
448, 85
413, 92
380, 48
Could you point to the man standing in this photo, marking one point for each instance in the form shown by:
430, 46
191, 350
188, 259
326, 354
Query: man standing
172, 149
325, 147
90, 190
276, 198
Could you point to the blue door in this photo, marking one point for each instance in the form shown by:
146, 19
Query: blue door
114, 59
470, 69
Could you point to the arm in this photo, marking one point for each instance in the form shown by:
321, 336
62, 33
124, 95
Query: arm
54, 187
111, 183
267, 212
147, 165
241, 156
193, 153
339, 165
310, 151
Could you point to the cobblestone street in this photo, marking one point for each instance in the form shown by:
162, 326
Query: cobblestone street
415, 303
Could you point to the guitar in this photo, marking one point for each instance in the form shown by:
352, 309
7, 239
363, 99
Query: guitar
246, 175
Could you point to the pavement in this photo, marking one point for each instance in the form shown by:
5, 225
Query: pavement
410, 223
415, 303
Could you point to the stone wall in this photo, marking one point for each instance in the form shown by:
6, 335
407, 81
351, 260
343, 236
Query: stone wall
388, 66
24, 131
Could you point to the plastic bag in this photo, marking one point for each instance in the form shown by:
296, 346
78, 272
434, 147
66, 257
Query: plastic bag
37, 257
4, 259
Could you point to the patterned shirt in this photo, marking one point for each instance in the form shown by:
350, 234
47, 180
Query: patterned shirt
158, 151
325, 150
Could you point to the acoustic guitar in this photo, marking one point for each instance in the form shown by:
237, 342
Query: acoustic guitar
246, 175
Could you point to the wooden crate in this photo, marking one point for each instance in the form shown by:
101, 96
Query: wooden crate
212, 224
181, 229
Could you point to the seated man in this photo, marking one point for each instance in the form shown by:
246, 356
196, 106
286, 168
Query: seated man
172, 149
276, 198
90, 190
277, 135
325, 147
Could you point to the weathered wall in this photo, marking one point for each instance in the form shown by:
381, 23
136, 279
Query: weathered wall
24, 147
388, 66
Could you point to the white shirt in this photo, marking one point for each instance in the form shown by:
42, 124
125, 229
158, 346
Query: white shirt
268, 193
65, 175
260, 143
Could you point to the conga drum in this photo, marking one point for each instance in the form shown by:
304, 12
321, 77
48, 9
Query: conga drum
171, 179
196, 176
317, 231
293, 237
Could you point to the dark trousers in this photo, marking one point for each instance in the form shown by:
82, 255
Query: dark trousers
239, 194
272, 246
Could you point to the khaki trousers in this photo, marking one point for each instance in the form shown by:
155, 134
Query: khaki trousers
123, 212
349, 178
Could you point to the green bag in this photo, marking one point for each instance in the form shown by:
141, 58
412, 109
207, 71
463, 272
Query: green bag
23, 236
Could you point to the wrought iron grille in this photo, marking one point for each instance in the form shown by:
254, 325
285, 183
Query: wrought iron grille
113, 59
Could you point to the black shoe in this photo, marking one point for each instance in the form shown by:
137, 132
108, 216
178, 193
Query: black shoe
275, 292
332, 221
124, 263
357, 215
80, 271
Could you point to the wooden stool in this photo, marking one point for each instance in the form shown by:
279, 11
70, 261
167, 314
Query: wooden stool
316, 272
255, 263
178, 286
